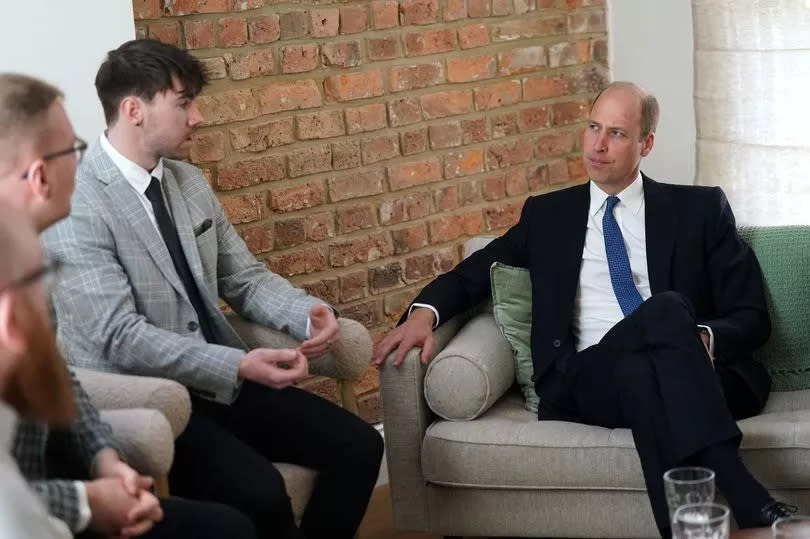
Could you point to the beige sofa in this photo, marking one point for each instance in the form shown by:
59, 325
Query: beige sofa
507, 474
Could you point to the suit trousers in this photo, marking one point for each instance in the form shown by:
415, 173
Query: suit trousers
651, 373
226, 455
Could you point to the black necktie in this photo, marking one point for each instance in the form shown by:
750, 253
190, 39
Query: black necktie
172, 240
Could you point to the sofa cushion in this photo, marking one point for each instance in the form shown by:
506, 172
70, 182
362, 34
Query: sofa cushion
508, 448
512, 308
471, 373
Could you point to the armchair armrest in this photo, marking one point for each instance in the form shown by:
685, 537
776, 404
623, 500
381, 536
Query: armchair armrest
145, 437
111, 391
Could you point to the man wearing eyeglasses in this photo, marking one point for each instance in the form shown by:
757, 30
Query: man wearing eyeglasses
39, 153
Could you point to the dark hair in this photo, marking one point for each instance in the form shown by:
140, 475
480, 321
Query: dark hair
143, 68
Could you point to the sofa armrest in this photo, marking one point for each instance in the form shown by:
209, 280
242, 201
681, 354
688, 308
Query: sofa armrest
406, 417
347, 360
110, 391
145, 438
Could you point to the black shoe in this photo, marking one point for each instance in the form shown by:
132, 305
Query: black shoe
773, 511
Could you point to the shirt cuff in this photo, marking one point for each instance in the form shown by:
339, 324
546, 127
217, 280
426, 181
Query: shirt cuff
84, 507
431, 307
711, 339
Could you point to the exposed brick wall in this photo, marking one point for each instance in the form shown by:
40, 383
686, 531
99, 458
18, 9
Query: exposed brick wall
357, 145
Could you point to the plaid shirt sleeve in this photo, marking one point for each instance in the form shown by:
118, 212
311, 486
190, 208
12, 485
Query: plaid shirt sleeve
60, 499
89, 432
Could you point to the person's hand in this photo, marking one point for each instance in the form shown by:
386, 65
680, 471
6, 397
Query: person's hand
277, 368
108, 464
324, 332
110, 506
143, 516
417, 331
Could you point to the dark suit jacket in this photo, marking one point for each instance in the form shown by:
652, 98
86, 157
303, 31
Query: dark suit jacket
692, 248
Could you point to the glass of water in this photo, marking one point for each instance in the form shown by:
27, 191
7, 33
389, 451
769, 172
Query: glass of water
688, 485
701, 521
791, 527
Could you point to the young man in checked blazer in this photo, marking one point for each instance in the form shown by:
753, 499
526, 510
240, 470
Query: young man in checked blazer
38, 157
153, 252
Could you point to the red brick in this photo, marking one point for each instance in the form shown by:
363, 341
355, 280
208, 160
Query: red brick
353, 286
179, 7
446, 198
226, 107
355, 185
576, 169
419, 267
557, 171
445, 135
258, 239
414, 173
413, 142
242, 208
396, 304
299, 58
587, 80
309, 160
232, 32
569, 53
504, 125
353, 218
418, 11
368, 381
497, 95
346, 154
569, 112
385, 14
294, 95
366, 118
320, 226
470, 193
450, 227
380, 148
199, 34
327, 290
430, 42
252, 172
509, 153
524, 6
324, 22
298, 262
455, 10
293, 24
494, 187
362, 249
529, 27
516, 182
473, 131
411, 77
404, 111
533, 119
368, 314
385, 277
353, 19
502, 7
353, 86
599, 51
523, 60
167, 32
537, 177
553, 144
503, 216
146, 9
409, 238
383, 48
544, 87
445, 259
244, 5
474, 35
290, 232
214, 6
443, 104
587, 22
323, 124
259, 137
302, 196
210, 176
397, 210
470, 68
463, 163
264, 29
207, 147
346, 54
478, 8
252, 64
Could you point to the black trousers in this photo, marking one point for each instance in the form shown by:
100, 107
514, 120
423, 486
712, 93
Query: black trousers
651, 373
226, 453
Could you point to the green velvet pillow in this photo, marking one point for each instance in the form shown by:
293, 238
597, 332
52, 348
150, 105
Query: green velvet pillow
512, 307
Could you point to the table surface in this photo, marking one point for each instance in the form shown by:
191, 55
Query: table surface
754, 533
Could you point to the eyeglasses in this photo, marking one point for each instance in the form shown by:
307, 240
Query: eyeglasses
47, 273
77, 149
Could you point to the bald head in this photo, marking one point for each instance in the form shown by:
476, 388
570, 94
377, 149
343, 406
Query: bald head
648, 104
19, 245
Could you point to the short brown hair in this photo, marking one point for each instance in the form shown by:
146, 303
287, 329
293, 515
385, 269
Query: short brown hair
24, 104
649, 105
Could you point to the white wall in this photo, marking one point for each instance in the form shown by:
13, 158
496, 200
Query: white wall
64, 42
650, 42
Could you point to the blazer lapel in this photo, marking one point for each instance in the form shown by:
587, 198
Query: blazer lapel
573, 217
661, 226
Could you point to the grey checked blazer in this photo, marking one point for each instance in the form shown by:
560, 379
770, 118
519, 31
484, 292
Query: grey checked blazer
121, 307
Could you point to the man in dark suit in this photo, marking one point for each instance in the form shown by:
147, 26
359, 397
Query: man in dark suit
646, 307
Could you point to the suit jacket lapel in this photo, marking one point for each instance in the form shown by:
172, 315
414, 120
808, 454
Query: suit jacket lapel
661, 226
573, 217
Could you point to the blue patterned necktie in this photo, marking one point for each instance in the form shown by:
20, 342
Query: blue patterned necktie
621, 277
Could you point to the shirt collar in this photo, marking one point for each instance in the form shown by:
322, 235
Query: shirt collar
136, 175
8, 424
632, 196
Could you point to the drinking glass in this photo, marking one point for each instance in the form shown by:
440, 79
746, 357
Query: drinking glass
701, 521
788, 528
688, 485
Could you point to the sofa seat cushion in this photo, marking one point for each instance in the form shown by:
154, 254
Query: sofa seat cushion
508, 448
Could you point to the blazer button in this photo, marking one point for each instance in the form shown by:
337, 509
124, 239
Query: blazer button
192, 326
556, 343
